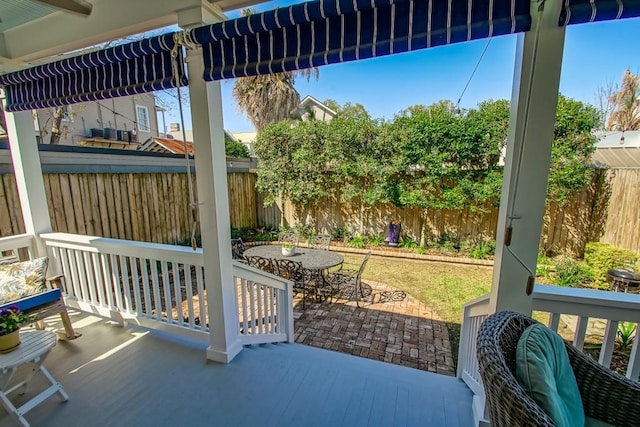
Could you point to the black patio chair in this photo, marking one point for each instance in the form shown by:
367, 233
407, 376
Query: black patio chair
320, 241
292, 270
264, 264
237, 249
289, 237
348, 281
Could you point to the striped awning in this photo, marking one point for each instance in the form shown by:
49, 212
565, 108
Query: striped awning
331, 31
138, 67
582, 11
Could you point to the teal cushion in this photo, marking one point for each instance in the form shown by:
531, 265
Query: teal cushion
544, 371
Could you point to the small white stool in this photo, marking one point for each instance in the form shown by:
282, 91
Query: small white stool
35, 348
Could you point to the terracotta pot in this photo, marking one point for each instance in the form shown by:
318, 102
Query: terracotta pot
10, 341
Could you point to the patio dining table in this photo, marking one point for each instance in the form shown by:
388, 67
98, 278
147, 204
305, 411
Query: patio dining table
311, 259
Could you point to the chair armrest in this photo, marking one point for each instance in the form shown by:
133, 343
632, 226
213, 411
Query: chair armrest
606, 395
55, 281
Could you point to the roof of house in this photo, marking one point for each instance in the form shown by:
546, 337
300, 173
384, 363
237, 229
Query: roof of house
164, 145
309, 101
618, 149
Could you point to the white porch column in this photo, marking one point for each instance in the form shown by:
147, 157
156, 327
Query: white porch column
28, 173
215, 226
533, 106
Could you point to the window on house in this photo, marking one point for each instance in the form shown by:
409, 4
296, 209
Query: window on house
143, 118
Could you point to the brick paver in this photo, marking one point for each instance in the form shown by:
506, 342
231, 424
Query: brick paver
387, 327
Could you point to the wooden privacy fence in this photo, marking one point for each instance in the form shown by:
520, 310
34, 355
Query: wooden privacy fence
605, 210
154, 207
149, 207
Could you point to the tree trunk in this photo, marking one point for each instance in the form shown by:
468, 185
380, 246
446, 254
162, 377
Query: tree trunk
56, 131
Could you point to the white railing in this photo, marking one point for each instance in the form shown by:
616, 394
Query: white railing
583, 305
577, 306
474, 314
162, 286
265, 306
17, 248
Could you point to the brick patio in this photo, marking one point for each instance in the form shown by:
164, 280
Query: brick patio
387, 327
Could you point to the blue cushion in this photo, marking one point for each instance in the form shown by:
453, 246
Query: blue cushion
26, 304
544, 371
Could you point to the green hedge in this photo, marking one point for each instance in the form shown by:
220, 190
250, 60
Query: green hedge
600, 257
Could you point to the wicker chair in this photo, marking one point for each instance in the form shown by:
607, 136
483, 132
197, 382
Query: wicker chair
606, 395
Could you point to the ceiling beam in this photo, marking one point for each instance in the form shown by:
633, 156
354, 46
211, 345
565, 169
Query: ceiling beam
62, 32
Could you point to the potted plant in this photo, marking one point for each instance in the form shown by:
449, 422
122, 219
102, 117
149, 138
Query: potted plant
288, 249
11, 318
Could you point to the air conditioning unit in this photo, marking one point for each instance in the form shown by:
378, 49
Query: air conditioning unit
124, 135
110, 133
96, 133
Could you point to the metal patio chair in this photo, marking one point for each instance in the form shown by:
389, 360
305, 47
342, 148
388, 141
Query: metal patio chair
237, 249
292, 270
289, 237
349, 281
320, 241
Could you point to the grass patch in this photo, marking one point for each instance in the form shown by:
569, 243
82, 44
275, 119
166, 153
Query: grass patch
445, 288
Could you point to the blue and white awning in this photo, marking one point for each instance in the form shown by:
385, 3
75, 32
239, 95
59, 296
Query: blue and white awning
332, 31
300, 36
129, 69
582, 11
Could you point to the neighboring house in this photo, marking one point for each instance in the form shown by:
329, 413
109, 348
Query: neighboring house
308, 109
246, 138
312, 109
116, 123
618, 149
166, 145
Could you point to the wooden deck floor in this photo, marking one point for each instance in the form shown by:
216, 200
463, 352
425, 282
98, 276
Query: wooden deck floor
129, 377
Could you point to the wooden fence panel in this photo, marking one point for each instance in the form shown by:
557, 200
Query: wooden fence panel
155, 207
622, 227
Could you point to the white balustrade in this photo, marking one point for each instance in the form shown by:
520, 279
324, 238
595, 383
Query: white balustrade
15, 248
578, 307
163, 287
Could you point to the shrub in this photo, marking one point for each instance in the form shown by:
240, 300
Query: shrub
408, 243
340, 233
600, 257
626, 332
544, 267
449, 242
572, 273
482, 248
375, 241
357, 242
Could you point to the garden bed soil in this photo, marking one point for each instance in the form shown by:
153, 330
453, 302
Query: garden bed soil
398, 252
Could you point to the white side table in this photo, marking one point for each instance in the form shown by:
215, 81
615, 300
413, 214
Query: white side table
35, 348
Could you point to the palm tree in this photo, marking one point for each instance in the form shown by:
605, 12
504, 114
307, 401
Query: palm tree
269, 98
626, 105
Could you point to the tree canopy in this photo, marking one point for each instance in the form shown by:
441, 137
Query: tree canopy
428, 157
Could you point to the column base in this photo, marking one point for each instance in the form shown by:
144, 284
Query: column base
227, 356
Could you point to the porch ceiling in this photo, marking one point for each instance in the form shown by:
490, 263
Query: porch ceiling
31, 32
125, 377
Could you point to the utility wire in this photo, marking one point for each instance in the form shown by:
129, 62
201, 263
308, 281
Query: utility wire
135, 122
473, 72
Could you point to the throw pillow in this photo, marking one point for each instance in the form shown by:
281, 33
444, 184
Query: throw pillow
544, 371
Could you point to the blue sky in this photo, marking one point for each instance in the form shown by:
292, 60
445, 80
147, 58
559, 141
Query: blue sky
594, 54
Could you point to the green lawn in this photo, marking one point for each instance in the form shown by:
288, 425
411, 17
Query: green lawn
444, 287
